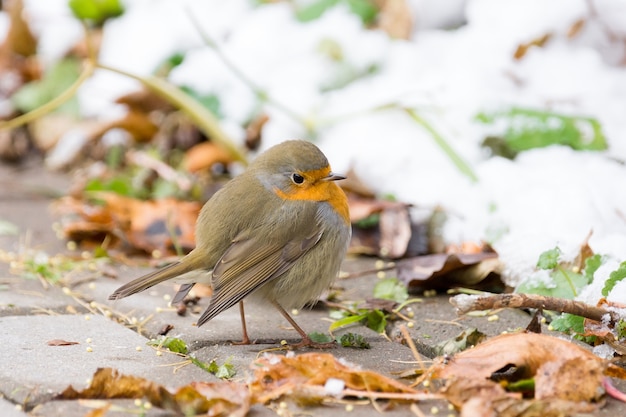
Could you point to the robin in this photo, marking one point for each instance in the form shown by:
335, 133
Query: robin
277, 233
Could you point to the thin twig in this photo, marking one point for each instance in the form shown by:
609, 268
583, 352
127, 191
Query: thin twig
409, 341
467, 303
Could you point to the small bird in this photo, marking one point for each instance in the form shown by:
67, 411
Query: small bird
276, 233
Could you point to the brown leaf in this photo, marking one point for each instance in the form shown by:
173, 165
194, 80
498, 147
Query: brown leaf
523, 48
585, 253
468, 270
561, 369
395, 18
215, 399
254, 130
19, 39
392, 237
304, 376
154, 224
60, 342
576, 27
204, 155
146, 225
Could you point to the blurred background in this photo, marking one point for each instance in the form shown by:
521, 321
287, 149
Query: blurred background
464, 126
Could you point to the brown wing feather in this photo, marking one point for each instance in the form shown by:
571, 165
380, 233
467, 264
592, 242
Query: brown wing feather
247, 265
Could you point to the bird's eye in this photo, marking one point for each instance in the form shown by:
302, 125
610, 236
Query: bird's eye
297, 178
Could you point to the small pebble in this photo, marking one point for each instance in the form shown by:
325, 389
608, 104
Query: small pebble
493, 318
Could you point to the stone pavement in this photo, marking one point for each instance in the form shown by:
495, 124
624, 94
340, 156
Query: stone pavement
32, 314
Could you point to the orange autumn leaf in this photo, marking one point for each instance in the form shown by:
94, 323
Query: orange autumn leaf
304, 377
215, 399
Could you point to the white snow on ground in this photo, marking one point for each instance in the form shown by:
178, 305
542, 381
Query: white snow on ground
545, 197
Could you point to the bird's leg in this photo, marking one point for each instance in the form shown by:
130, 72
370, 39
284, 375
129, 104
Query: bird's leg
306, 340
245, 340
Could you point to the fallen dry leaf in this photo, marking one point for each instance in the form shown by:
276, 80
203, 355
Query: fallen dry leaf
441, 271
215, 399
392, 236
145, 225
304, 377
60, 342
563, 373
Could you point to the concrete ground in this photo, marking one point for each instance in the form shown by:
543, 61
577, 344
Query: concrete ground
32, 314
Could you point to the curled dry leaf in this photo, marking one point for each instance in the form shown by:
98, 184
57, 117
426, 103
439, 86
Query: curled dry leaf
392, 236
473, 270
562, 372
304, 377
215, 399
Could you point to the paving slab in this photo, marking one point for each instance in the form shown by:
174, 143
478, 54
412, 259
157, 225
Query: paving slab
8, 409
31, 314
34, 372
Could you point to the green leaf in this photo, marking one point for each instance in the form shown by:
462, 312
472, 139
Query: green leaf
96, 10
347, 321
591, 266
209, 101
225, 371
318, 337
529, 129
353, 340
391, 289
615, 277
568, 323
564, 284
370, 221
376, 320
119, 185
173, 344
573, 325
523, 385
620, 329
54, 82
549, 259
314, 10
365, 9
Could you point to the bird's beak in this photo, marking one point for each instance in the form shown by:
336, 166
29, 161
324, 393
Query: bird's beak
334, 177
